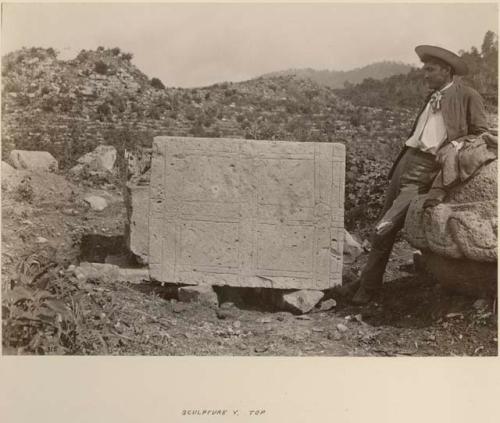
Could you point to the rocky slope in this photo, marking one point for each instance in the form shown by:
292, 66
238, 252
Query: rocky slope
69, 107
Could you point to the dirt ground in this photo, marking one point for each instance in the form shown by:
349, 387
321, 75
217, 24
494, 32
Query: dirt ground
46, 309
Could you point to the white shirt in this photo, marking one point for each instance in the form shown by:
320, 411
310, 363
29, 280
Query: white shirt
430, 131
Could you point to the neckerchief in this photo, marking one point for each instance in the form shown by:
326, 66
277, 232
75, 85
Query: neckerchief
436, 97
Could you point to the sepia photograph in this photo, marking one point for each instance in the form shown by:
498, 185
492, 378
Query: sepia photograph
222, 179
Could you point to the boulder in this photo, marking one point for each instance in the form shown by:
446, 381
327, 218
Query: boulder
464, 225
7, 170
458, 238
96, 203
100, 160
33, 160
302, 301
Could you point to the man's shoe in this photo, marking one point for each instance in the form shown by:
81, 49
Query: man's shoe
363, 296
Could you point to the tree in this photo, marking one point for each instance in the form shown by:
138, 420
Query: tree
490, 44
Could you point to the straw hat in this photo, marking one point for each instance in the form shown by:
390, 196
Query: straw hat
456, 62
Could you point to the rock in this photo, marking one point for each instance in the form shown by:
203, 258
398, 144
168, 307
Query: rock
137, 225
97, 271
179, 308
334, 336
342, 328
464, 225
458, 238
11, 177
102, 159
96, 203
41, 240
77, 169
352, 248
33, 160
302, 301
7, 170
203, 294
224, 314
328, 305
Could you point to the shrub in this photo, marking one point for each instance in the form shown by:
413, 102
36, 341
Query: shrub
48, 104
156, 83
100, 67
127, 56
7, 67
23, 100
103, 110
115, 51
24, 191
82, 56
51, 52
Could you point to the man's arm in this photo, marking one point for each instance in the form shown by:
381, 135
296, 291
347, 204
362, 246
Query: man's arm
476, 114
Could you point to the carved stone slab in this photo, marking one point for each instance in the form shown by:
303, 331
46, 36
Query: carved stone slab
246, 213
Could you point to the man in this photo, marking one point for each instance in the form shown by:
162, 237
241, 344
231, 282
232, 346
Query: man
451, 111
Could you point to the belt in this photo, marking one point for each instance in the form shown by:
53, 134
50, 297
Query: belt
421, 153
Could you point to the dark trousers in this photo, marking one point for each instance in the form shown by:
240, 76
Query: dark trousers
413, 175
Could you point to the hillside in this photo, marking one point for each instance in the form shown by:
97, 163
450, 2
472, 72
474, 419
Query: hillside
69, 107
338, 79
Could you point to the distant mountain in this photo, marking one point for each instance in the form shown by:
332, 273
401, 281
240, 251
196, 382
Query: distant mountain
337, 79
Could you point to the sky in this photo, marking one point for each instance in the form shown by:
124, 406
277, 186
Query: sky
190, 45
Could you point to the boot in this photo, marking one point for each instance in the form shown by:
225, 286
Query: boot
363, 296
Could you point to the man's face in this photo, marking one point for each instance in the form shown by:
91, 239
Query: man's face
435, 75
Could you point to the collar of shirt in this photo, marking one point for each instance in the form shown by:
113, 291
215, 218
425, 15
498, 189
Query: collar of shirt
435, 100
446, 87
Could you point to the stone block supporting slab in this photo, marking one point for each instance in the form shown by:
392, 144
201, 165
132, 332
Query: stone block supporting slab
246, 213
302, 301
137, 230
